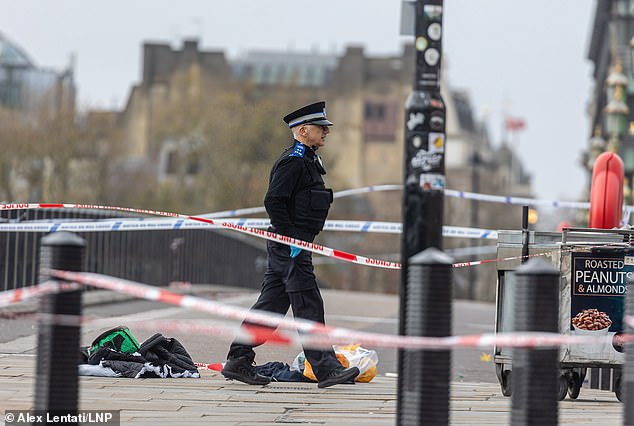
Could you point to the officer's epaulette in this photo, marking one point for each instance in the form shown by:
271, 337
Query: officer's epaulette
298, 150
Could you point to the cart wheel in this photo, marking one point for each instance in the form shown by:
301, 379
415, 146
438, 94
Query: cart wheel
505, 383
574, 385
563, 387
582, 374
617, 387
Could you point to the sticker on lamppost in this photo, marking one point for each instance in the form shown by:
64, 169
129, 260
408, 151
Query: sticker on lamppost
426, 160
434, 31
421, 43
436, 142
432, 56
432, 11
431, 181
415, 120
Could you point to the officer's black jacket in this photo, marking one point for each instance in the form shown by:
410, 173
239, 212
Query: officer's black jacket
297, 200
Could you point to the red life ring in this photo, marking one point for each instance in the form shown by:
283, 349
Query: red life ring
606, 192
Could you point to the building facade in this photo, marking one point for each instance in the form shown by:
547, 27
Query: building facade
611, 106
366, 96
33, 101
28, 88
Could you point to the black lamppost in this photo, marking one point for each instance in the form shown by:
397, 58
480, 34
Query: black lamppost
616, 113
476, 161
424, 158
616, 110
598, 145
424, 153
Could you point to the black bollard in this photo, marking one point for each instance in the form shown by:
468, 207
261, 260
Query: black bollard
627, 381
536, 371
425, 385
56, 386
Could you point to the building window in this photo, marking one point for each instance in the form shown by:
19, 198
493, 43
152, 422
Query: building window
172, 163
193, 166
379, 124
374, 111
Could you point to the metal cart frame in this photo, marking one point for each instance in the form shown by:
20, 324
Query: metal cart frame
567, 250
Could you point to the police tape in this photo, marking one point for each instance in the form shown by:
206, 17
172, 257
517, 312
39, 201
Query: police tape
505, 259
257, 335
263, 324
216, 367
144, 291
268, 235
338, 194
19, 295
248, 333
366, 189
487, 197
375, 188
11, 297
144, 224
260, 233
448, 192
516, 200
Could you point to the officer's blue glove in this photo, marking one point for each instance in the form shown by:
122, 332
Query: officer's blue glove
295, 251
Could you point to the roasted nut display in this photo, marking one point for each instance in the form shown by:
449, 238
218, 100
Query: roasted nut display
592, 319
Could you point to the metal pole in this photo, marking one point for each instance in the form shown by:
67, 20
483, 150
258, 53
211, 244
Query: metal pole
424, 153
475, 188
425, 393
525, 234
627, 379
536, 371
57, 384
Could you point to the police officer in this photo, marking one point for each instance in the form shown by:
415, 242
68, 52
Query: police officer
297, 202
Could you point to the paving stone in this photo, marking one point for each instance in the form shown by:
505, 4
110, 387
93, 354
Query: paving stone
212, 400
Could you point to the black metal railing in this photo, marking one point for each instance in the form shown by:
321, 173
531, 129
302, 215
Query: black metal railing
155, 257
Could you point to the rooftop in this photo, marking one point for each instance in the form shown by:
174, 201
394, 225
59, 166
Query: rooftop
12, 55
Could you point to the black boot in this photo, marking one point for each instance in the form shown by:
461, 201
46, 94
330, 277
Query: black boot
242, 369
337, 376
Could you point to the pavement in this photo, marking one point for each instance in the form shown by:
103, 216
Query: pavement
213, 400
475, 393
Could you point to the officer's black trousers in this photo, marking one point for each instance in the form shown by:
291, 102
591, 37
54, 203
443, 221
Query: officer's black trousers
291, 283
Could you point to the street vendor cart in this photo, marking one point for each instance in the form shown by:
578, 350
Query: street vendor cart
594, 268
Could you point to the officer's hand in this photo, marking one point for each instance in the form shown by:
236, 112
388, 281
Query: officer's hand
295, 251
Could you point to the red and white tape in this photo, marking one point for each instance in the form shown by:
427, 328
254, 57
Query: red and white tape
144, 224
144, 291
216, 367
483, 262
260, 233
313, 334
11, 297
256, 335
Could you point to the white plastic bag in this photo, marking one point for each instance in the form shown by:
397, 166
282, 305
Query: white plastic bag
349, 356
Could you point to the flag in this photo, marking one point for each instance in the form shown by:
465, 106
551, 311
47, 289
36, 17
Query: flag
514, 124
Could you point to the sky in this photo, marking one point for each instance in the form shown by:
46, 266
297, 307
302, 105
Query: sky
520, 58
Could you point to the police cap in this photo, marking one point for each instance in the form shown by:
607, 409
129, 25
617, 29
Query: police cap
309, 114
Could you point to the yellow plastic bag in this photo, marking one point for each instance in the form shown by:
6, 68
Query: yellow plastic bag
351, 356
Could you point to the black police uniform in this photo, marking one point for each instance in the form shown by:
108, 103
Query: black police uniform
297, 202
